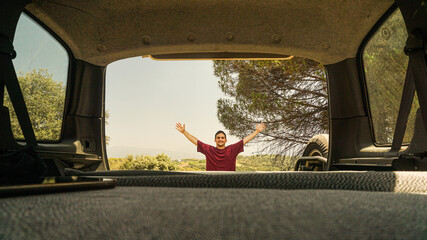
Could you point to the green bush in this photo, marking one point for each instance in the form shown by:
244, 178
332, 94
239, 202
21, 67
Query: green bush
160, 162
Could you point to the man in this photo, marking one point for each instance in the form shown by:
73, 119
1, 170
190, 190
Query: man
220, 158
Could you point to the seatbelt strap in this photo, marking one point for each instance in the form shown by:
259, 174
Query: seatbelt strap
1, 92
5, 48
419, 70
416, 79
414, 13
10, 80
404, 109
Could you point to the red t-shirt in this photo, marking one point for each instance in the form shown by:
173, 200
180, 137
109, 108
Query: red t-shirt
220, 159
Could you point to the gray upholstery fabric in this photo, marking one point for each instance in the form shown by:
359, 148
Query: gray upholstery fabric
410, 182
200, 213
220, 205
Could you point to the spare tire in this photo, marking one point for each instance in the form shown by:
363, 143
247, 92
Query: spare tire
317, 146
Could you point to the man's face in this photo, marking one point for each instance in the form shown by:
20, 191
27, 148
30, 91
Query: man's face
220, 140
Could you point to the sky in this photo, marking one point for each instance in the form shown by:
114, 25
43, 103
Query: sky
37, 49
145, 98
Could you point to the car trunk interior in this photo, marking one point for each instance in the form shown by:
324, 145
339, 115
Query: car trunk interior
389, 202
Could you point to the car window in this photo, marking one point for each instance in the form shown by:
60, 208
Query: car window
385, 65
42, 69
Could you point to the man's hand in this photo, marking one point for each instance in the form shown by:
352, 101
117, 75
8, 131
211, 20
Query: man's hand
260, 127
180, 128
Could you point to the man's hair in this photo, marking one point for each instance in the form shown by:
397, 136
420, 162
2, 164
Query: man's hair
222, 133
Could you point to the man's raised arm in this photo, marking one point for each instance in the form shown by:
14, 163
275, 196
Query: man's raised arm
181, 127
259, 128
